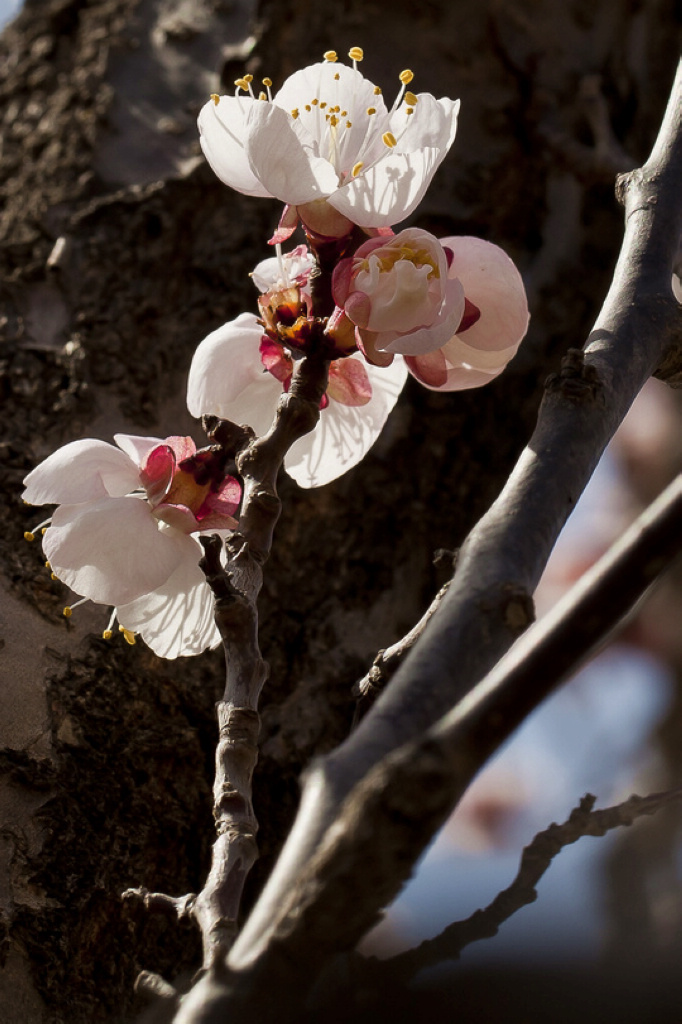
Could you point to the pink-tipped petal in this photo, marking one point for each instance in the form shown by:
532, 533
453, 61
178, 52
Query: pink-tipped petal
288, 223
429, 369
493, 284
81, 471
349, 382
157, 472
359, 308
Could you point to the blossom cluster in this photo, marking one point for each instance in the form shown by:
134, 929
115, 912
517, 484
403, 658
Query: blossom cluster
451, 312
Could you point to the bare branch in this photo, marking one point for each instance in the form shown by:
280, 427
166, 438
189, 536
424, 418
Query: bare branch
638, 332
535, 861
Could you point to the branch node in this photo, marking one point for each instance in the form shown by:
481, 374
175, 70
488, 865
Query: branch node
577, 381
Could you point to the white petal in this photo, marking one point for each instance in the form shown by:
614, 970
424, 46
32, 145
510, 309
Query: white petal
111, 551
81, 471
222, 133
432, 125
389, 191
492, 282
345, 433
176, 619
137, 448
283, 157
228, 379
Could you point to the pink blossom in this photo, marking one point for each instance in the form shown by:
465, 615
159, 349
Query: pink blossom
124, 532
397, 294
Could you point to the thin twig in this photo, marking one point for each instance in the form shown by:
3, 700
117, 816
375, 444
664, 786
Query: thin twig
535, 861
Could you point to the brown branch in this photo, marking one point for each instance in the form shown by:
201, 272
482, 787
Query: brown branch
387, 661
535, 861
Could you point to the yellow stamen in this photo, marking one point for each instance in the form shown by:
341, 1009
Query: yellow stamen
377, 90
315, 102
406, 76
294, 113
67, 612
128, 635
107, 634
356, 53
409, 110
349, 124
371, 110
215, 97
330, 56
267, 82
357, 168
53, 576
29, 536
248, 79
262, 96
337, 76
308, 107
333, 120
323, 104
44, 529
389, 139
411, 99
241, 83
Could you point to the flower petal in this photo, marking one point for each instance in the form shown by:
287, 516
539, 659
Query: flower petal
492, 282
427, 339
429, 369
222, 129
110, 550
283, 157
390, 190
177, 618
137, 448
345, 433
432, 125
349, 382
227, 377
81, 471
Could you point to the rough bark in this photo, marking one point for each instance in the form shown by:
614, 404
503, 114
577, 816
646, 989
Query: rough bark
119, 251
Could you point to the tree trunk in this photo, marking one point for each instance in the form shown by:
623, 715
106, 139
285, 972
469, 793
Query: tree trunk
120, 250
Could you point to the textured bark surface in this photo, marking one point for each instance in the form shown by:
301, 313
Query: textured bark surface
106, 755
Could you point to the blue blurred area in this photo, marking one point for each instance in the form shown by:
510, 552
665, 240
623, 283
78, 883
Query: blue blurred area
8, 8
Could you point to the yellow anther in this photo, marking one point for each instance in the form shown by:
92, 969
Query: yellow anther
323, 104
337, 76
308, 107
377, 90
343, 112
357, 168
409, 110
53, 576
215, 97
248, 78
349, 124
389, 139
315, 102
371, 110
44, 529
406, 76
262, 96
411, 99
47, 565
356, 53
128, 635
67, 612
294, 113
331, 56
267, 82
29, 536
107, 634
333, 120
241, 83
